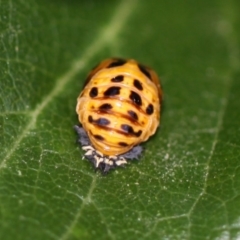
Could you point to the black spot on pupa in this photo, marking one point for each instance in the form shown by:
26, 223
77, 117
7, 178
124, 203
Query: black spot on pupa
136, 98
90, 119
128, 129
98, 137
122, 144
118, 78
102, 121
117, 63
137, 84
105, 106
133, 115
144, 70
99, 121
138, 134
149, 109
94, 92
112, 91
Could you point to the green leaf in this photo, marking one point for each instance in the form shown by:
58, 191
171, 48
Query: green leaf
187, 184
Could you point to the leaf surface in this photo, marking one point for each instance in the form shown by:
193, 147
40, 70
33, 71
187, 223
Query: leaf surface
186, 185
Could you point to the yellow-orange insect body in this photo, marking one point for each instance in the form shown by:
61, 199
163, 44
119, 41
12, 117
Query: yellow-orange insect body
118, 108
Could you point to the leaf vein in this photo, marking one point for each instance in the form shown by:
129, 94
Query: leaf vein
231, 42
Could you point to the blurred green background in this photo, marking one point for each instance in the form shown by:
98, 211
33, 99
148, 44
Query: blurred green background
187, 183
